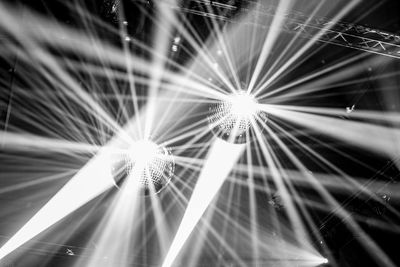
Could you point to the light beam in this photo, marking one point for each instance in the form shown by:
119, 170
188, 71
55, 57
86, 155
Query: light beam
220, 161
92, 180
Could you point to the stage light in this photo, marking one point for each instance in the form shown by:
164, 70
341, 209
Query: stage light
151, 164
231, 118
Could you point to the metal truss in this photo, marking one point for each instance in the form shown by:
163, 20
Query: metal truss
324, 30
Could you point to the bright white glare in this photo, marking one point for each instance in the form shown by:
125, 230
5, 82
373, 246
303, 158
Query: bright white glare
144, 152
243, 105
150, 164
92, 180
220, 161
231, 118
26, 142
314, 260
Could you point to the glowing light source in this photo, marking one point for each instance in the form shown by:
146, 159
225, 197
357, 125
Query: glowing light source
231, 119
152, 165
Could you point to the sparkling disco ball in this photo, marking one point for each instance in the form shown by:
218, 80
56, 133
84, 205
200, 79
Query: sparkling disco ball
231, 119
151, 165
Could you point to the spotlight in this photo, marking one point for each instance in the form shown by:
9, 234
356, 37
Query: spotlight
231, 118
151, 164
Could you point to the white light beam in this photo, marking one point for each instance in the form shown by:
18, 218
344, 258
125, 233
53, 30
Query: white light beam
92, 180
220, 161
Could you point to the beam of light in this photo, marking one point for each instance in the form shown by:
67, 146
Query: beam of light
182, 201
35, 182
118, 226
333, 182
252, 202
370, 115
378, 254
26, 142
210, 181
197, 247
356, 133
82, 45
160, 221
131, 80
340, 70
151, 164
203, 56
301, 230
230, 119
346, 9
325, 78
278, 178
269, 42
222, 44
350, 182
271, 250
159, 51
294, 41
161, 42
311, 261
92, 180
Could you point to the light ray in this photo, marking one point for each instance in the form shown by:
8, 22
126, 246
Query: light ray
161, 39
30, 142
340, 70
210, 181
357, 133
90, 182
117, 227
307, 46
269, 41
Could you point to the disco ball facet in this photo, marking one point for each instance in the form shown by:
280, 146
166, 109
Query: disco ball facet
232, 118
152, 165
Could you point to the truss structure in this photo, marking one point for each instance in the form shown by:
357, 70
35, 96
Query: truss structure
324, 30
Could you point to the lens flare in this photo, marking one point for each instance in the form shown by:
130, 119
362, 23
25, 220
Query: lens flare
231, 118
152, 166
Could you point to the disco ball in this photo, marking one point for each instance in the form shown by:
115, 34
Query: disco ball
231, 119
151, 165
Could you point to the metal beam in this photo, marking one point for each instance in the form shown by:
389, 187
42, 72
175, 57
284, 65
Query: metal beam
340, 33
